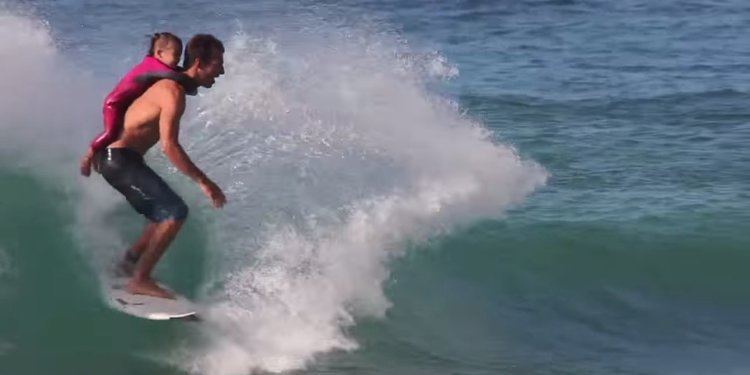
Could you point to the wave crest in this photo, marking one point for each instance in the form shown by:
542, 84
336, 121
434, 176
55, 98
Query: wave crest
335, 158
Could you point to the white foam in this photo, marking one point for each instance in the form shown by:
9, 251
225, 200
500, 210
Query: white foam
51, 109
26, 65
47, 104
333, 157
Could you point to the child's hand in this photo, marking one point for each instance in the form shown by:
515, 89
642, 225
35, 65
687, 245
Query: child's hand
86, 163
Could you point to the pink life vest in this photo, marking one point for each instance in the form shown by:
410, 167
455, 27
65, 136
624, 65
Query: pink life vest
130, 87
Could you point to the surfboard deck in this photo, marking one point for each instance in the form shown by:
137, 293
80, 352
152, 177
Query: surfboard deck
148, 307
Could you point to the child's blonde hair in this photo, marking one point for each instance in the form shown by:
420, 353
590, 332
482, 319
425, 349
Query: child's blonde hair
161, 40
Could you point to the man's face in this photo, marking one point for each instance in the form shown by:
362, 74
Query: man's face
209, 70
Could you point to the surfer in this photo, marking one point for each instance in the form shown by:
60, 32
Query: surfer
155, 117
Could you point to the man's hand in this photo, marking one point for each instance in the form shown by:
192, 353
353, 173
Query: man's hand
213, 192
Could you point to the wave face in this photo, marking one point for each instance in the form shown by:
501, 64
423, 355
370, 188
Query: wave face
335, 156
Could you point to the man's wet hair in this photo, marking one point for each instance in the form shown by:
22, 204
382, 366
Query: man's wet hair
162, 40
203, 47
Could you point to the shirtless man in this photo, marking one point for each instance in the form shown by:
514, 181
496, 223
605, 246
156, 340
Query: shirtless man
155, 116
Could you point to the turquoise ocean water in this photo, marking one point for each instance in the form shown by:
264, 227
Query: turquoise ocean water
508, 187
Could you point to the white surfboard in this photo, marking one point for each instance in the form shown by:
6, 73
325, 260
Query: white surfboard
147, 307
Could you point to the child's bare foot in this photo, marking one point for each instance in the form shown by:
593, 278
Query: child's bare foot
148, 288
86, 166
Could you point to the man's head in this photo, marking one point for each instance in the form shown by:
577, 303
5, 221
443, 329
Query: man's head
204, 59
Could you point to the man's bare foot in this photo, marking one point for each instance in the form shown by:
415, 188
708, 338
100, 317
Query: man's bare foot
148, 288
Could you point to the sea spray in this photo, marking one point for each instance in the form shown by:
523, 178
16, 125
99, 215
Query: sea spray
27, 64
50, 111
48, 104
333, 159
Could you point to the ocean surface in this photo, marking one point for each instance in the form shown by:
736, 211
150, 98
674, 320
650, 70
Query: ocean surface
414, 187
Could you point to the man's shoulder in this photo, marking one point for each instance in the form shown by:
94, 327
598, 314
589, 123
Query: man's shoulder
167, 92
168, 86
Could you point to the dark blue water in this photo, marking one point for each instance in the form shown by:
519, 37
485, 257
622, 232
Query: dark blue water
631, 259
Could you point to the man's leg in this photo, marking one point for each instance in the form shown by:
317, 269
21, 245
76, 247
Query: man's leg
161, 236
151, 197
131, 256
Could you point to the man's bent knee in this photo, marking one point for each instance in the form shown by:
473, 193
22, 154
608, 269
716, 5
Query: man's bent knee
180, 212
175, 212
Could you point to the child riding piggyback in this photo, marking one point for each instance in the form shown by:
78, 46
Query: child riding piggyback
161, 62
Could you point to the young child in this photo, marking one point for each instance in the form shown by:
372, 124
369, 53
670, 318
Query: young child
161, 62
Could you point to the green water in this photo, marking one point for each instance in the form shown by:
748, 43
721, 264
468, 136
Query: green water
54, 320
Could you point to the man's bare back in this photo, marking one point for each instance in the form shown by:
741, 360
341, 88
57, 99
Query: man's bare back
141, 128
